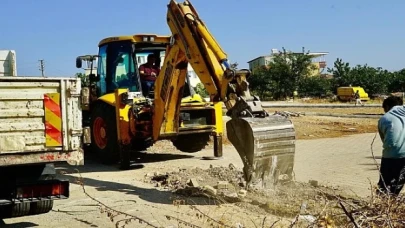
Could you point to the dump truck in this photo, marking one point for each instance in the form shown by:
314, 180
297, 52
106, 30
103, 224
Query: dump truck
124, 118
346, 93
40, 126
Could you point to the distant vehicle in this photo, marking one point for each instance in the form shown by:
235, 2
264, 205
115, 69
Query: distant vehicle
346, 93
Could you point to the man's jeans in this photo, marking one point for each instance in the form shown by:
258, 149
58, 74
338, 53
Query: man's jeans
147, 87
392, 175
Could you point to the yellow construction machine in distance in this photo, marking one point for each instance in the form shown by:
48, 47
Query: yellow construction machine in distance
122, 118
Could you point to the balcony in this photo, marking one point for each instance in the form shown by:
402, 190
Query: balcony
322, 64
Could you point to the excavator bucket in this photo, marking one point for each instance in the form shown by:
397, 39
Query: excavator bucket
266, 146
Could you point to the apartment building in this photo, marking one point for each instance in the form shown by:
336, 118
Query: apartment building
318, 61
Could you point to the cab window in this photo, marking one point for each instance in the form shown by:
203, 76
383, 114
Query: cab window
120, 67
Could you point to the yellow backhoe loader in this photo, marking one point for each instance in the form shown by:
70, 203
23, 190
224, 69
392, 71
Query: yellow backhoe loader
123, 119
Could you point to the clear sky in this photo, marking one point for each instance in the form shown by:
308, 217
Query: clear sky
358, 31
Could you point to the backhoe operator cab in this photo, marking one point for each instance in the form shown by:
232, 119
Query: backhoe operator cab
119, 60
125, 56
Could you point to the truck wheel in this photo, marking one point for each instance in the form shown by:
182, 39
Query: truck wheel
20, 209
191, 143
41, 207
104, 141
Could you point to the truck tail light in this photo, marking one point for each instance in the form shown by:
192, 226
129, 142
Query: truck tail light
58, 189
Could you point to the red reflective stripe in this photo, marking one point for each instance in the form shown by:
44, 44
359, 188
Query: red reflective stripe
52, 106
53, 132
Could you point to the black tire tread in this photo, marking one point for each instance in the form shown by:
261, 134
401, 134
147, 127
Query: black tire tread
20, 209
41, 207
191, 143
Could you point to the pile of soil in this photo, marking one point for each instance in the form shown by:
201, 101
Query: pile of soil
286, 200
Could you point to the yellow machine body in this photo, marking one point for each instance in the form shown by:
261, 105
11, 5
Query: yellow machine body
265, 143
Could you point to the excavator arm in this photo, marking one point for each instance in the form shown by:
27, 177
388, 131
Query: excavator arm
265, 143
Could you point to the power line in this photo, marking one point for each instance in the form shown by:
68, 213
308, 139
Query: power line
42, 67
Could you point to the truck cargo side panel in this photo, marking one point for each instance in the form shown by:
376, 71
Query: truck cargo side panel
39, 120
22, 114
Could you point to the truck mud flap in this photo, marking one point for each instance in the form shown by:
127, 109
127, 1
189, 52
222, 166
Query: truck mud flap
266, 146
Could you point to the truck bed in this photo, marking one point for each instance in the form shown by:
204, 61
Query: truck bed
40, 120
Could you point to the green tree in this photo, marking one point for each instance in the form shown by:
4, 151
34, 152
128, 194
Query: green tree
262, 84
200, 90
341, 74
282, 76
396, 81
84, 79
314, 86
373, 80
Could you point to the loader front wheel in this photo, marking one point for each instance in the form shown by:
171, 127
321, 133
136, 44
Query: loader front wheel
104, 140
191, 143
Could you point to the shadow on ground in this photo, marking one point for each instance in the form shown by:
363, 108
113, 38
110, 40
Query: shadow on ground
148, 194
138, 160
376, 157
17, 225
151, 194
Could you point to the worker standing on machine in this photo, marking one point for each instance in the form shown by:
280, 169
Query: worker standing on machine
148, 72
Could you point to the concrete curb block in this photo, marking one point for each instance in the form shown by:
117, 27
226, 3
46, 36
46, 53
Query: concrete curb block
319, 106
264, 105
371, 116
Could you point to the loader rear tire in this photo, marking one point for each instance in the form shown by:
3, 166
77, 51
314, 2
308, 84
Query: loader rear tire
191, 143
104, 141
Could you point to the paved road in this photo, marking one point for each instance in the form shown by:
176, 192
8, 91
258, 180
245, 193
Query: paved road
343, 161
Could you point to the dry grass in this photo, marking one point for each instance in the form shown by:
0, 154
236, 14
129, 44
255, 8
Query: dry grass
347, 111
330, 101
380, 211
310, 127
313, 127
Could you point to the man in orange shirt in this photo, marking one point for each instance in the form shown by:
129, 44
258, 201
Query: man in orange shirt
148, 72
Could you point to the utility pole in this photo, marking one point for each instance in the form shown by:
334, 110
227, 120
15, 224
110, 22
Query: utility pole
41, 67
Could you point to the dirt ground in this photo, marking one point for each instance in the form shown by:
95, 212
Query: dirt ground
311, 126
158, 194
352, 111
167, 188
286, 200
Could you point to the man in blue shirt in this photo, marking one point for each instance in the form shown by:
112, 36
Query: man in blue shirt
391, 128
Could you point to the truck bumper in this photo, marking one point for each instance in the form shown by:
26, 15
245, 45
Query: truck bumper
72, 158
